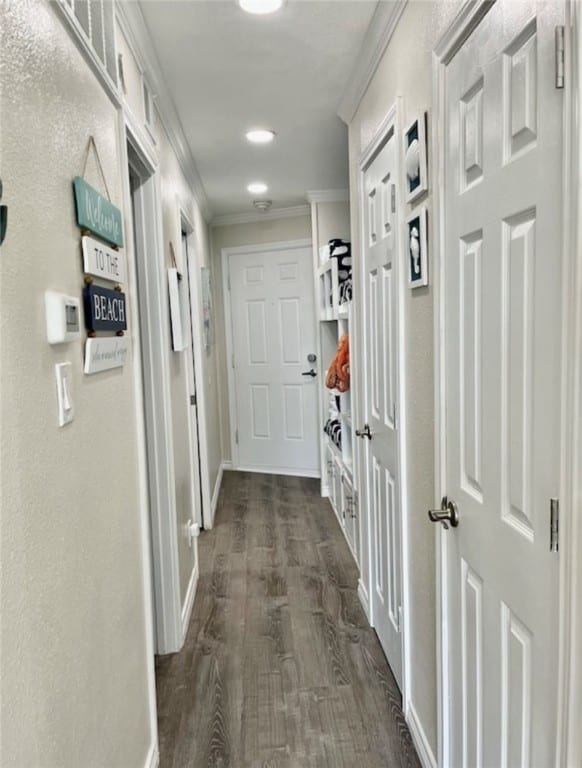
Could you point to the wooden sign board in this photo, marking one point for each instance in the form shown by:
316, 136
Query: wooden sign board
102, 261
96, 213
104, 309
104, 354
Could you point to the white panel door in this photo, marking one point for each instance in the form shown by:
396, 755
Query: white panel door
273, 332
502, 313
381, 360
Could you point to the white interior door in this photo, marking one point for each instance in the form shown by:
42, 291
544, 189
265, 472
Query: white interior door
381, 361
503, 205
273, 332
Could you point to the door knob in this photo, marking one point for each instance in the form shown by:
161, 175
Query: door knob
448, 513
364, 432
311, 373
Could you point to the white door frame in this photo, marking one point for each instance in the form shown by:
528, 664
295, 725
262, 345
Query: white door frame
144, 511
151, 332
392, 122
569, 742
225, 254
197, 346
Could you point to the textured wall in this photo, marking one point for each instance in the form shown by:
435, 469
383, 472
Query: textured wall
74, 664
406, 70
269, 231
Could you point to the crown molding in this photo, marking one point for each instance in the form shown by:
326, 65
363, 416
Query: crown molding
248, 218
328, 196
133, 24
380, 31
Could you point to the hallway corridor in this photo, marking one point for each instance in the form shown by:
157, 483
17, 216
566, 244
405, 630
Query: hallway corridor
280, 668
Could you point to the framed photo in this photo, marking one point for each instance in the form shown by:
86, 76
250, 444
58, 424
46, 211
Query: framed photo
178, 310
416, 238
207, 318
415, 159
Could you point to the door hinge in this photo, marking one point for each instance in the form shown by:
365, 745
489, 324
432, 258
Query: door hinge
232, 360
393, 198
554, 524
236, 437
560, 46
228, 280
192, 399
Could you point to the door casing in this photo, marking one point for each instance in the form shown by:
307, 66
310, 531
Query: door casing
569, 741
157, 475
197, 343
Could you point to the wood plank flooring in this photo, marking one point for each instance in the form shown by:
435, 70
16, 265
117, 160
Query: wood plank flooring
280, 668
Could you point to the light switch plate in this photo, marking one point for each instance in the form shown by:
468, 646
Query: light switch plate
64, 375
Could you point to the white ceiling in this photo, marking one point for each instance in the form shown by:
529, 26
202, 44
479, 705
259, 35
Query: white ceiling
229, 71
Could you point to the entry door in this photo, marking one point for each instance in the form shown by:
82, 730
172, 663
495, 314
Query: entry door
502, 303
381, 360
273, 332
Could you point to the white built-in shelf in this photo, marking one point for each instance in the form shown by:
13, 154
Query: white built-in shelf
343, 310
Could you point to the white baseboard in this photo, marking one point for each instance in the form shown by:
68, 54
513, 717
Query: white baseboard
364, 599
425, 753
153, 757
227, 466
287, 471
189, 601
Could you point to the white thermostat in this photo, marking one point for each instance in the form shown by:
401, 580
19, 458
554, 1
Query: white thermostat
63, 318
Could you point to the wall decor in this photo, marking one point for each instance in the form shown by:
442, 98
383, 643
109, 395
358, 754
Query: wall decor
104, 354
102, 261
104, 309
178, 310
207, 319
415, 162
3, 217
416, 231
96, 214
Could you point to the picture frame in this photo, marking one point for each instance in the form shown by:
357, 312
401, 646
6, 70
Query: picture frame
207, 313
178, 310
415, 158
417, 248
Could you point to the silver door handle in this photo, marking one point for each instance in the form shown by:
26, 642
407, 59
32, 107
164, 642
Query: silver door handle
448, 513
365, 432
311, 373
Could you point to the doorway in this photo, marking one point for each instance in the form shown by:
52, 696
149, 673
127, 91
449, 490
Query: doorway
192, 378
153, 333
270, 328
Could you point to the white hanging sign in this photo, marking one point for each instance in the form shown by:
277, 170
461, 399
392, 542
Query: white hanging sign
102, 261
103, 354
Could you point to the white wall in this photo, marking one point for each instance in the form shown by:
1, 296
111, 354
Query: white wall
405, 70
255, 233
74, 665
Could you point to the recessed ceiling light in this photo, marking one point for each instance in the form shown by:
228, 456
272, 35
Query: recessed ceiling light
260, 136
260, 6
257, 188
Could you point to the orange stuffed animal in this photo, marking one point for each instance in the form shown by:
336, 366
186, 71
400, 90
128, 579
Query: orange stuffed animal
338, 373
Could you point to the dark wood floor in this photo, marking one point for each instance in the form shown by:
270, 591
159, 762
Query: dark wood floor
280, 668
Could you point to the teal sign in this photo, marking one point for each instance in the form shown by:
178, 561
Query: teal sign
96, 213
